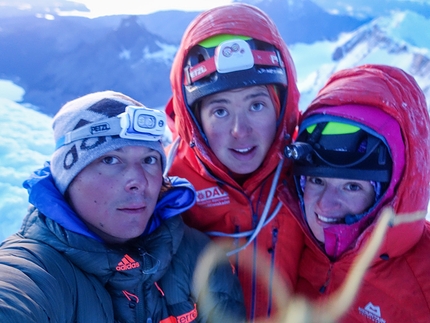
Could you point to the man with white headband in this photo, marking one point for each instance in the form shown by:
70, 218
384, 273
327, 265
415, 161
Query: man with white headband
103, 240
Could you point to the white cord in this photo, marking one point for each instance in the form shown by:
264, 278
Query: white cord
262, 222
171, 155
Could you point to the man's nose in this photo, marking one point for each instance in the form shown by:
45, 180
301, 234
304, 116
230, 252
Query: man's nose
135, 178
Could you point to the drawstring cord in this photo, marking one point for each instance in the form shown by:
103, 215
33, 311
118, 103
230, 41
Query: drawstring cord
171, 155
261, 223
297, 309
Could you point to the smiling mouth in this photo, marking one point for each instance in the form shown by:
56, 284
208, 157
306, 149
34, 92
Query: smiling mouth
330, 220
243, 150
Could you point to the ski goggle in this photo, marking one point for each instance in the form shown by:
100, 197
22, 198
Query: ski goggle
336, 149
299, 150
137, 123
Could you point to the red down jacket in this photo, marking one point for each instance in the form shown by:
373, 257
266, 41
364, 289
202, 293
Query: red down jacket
396, 287
222, 204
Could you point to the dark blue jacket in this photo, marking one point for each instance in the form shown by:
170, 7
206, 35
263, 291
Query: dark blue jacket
56, 270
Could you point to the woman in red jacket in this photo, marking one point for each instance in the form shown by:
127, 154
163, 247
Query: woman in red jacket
364, 144
233, 110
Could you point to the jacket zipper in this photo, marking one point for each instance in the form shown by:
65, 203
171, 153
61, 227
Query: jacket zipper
272, 269
323, 288
236, 242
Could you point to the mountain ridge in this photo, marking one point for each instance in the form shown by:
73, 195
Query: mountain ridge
58, 58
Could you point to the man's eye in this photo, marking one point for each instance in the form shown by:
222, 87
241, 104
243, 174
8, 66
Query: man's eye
151, 160
110, 160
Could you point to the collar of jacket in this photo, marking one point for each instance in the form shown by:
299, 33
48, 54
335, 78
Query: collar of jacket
44, 195
153, 252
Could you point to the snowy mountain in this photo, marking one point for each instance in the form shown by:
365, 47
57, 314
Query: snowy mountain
56, 58
60, 59
391, 40
372, 8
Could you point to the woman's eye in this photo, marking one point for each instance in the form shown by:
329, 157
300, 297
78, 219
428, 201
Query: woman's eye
353, 187
151, 160
110, 160
257, 106
220, 112
315, 180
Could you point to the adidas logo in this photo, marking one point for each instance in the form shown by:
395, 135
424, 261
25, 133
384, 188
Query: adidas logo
372, 312
127, 263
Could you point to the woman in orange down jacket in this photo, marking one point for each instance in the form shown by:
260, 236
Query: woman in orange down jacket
233, 110
363, 145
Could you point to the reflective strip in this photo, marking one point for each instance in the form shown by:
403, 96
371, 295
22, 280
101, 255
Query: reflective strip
335, 128
218, 39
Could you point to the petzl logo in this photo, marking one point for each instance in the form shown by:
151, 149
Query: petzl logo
198, 71
372, 312
100, 128
212, 196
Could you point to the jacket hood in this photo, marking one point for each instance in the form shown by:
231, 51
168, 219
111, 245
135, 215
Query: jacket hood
237, 19
44, 195
397, 94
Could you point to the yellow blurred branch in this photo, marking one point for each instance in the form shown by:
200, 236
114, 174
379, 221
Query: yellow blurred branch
297, 309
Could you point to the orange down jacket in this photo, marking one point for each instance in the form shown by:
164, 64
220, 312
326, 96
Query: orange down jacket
396, 287
222, 204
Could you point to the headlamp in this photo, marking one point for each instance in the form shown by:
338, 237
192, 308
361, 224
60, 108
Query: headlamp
137, 123
339, 150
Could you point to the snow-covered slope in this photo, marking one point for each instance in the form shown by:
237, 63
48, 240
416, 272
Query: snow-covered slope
26, 143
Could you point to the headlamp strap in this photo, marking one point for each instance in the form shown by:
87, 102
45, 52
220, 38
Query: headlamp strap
136, 122
207, 67
316, 133
109, 127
